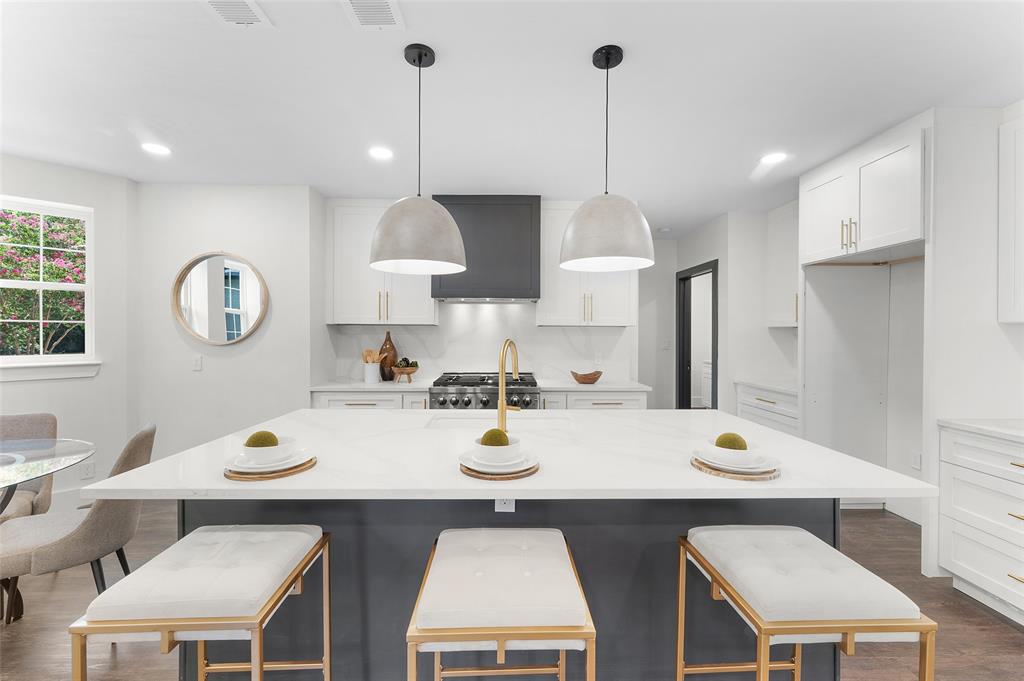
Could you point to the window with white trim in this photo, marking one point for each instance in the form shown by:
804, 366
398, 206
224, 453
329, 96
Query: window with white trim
45, 286
232, 301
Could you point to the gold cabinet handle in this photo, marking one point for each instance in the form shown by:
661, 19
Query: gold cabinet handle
387, 305
1018, 464
607, 404
764, 399
584, 307
853, 226
796, 307
1018, 516
1017, 577
842, 233
360, 404
378, 306
590, 314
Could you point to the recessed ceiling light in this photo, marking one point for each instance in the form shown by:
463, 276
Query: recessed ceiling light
774, 157
156, 149
381, 153
663, 230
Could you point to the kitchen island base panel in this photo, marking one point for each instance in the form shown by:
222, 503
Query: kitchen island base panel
626, 552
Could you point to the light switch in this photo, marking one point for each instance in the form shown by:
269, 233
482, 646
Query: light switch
504, 505
88, 470
197, 363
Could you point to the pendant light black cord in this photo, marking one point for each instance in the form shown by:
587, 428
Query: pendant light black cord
607, 71
419, 124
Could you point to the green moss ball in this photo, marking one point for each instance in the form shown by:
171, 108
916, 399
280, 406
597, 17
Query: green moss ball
495, 437
730, 441
262, 438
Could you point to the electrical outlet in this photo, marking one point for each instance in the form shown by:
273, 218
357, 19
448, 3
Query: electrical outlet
504, 505
197, 363
88, 470
915, 460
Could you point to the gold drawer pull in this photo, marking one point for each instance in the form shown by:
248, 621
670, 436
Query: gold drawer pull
360, 404
1017, 577
1018, 516
764, 399
609, 404
1018, 464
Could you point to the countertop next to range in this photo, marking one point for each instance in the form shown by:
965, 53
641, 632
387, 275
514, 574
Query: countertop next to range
1006, 429
555, 385
583, 454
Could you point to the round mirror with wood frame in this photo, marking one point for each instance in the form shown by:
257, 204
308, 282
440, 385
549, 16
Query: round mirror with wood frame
219, 298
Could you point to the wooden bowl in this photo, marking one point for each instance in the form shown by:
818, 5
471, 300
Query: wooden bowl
587, 379
404, 371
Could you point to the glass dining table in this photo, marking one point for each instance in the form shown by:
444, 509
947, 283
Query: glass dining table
22, 461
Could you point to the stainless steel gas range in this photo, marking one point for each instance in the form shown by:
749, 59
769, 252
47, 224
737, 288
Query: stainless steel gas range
480, 391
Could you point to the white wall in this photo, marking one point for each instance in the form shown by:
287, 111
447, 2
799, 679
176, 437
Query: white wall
973, 366
92, 409
904, 394
321, 355
470, 335
241, 384
656, 329
700, 334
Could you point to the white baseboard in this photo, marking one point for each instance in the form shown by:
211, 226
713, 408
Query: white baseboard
987, 599
861, 504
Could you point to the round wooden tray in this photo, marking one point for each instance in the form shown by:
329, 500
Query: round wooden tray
516, 475
271, 475
758, 477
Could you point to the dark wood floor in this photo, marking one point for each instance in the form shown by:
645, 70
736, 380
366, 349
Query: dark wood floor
974, 643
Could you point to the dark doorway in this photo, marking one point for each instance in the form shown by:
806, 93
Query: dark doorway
696, 345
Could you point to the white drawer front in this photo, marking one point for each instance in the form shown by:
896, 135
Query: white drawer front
357, 400
986, 454
414, 400
983, 501
607, 401
771, 400
785, 424
991, 564
552, 400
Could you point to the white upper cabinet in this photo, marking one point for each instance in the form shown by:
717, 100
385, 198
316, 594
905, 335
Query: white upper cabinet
891, 175
782, 270
1011, 221
828, 198
360, 295
579, 298
869, 198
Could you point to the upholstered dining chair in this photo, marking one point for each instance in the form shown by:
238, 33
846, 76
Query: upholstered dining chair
54, 541
33, 497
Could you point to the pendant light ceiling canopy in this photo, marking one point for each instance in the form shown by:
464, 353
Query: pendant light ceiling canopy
607, 233
417, 235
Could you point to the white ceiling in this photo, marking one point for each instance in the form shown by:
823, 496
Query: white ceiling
513, 104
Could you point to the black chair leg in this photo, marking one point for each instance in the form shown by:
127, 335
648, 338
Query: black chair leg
97, 576
12, 591
123, 560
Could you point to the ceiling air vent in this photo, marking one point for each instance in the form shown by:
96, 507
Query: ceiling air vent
239, 12
374, 15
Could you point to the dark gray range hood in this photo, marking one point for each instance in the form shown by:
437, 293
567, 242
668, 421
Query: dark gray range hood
502, 239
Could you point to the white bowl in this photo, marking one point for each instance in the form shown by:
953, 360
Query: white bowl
497, 454
264, 455
734, 458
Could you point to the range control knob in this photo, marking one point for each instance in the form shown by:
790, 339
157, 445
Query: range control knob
442, 400
527, 401
467, 400
514, 401
484, 400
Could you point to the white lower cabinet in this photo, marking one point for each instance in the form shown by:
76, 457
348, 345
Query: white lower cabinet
552, 400
776, 408
369, 400
591, 400
981, 522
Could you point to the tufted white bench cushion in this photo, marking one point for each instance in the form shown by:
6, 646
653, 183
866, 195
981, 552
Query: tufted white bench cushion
500, 577
215, 571
786, 573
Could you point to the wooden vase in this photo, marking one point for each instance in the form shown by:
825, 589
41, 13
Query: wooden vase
388, 357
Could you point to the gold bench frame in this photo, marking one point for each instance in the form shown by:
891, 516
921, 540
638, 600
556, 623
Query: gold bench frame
848, 629
254, 624
501, 635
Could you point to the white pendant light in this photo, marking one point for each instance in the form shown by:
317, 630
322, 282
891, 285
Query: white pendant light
607, 233
418, 235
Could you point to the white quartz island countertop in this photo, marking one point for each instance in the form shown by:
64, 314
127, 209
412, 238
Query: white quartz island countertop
584, 454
